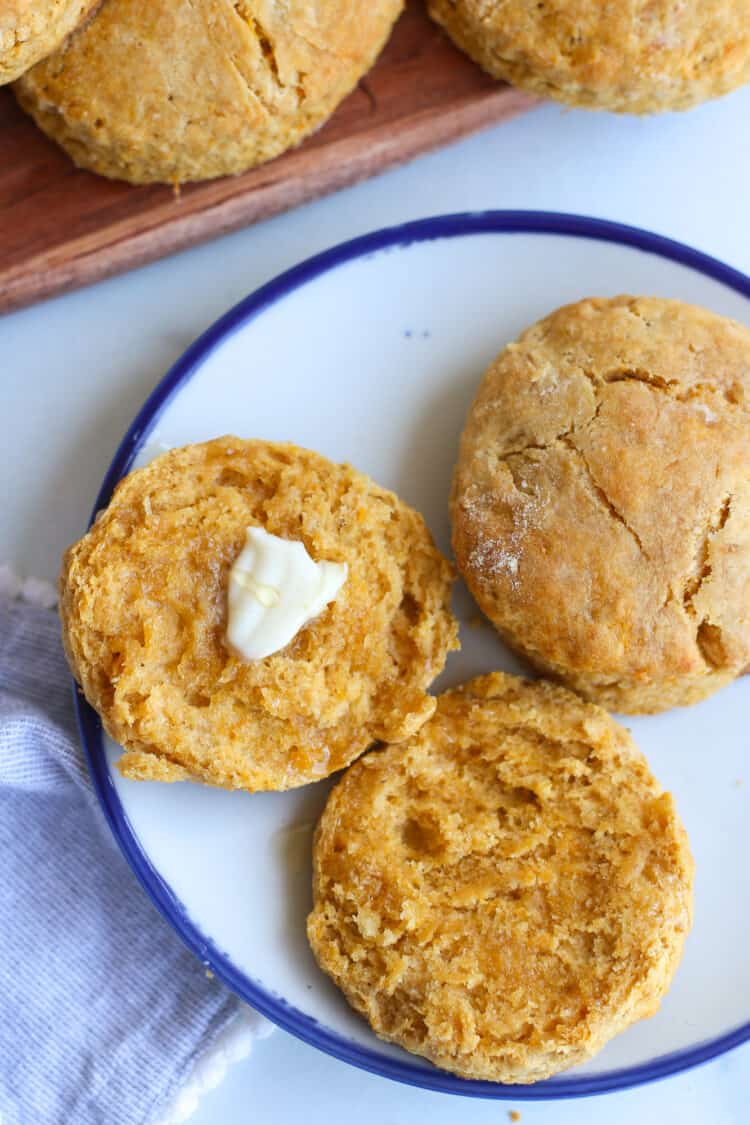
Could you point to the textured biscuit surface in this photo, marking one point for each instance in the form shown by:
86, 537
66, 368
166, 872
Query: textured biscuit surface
601, 500
32, 29
631, 56
180, 91
143, 603
507, 890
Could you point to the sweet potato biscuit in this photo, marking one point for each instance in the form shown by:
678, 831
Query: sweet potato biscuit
643, 56
144, 597
32, 29
507, 890
601, 500
180, 91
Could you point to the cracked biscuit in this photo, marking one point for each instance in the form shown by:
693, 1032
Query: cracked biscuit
642, 57
143, 600
174, 92
601, 500
32, 29
506, 891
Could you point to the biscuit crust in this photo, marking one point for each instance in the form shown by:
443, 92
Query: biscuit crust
506, 891
143, 606
175, 91
32, 29
644, 56
601, 500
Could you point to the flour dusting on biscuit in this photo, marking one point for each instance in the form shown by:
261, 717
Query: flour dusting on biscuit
601, 499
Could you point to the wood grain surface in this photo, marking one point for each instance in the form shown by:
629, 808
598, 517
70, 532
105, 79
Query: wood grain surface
61, 228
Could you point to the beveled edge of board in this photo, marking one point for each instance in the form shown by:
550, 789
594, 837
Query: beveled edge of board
217, 207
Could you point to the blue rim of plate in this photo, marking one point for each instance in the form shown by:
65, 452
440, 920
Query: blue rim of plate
275, 1008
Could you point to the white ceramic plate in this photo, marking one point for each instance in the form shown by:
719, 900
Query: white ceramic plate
371, 353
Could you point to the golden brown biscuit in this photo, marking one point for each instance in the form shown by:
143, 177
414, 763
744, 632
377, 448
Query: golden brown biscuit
32, 29
180, 91
601, 500
143, 603
644, 56
507, 890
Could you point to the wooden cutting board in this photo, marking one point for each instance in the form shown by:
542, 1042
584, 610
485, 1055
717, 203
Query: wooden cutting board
61, 228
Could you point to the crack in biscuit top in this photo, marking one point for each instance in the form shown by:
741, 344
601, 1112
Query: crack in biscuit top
597, 453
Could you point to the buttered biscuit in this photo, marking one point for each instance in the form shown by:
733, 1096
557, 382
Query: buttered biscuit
175, 91
144, 599
644, 56
507, 890
601, 500
32, 29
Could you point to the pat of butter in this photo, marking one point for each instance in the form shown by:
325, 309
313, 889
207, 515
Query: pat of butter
275, 589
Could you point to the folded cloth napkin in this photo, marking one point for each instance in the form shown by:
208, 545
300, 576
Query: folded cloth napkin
104, 1016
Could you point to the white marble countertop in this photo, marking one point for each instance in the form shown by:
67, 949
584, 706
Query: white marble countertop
74, 371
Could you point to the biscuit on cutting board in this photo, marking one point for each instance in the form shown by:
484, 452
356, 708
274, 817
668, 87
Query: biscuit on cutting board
32, 29
643, 56
177, 91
